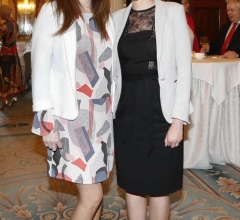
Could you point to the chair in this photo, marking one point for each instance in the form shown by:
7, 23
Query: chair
28, 69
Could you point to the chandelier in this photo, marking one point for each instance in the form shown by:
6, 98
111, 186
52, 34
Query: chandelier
26, 8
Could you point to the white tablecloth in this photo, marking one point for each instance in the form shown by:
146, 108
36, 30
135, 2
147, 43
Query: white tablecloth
214, 133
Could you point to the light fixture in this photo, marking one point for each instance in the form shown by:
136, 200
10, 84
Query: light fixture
26, 8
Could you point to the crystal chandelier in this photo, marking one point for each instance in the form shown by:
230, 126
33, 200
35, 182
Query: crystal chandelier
26, 8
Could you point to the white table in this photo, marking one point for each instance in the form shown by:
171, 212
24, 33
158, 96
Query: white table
214, 133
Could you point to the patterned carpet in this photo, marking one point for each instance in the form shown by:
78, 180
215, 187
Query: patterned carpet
14, 126
27, 193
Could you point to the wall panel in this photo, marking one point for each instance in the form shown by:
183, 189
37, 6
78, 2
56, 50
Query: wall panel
208, 16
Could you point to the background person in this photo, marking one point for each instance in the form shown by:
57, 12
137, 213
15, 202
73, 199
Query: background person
71, 81
152, 75
192, 32
11, 82
227, 43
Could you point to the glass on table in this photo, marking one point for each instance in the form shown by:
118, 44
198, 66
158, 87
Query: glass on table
204, 41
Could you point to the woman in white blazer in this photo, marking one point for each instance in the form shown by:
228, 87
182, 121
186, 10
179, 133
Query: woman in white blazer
152, 75
71, 78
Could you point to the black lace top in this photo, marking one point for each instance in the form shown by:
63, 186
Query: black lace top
140, 21
137, 46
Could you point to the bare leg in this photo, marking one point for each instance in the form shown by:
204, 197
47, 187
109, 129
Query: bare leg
90, 202
136, 207
98, 213
159, 208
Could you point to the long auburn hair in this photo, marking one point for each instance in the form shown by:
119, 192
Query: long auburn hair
70, 9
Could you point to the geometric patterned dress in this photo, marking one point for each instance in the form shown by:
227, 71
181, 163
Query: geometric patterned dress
88, 148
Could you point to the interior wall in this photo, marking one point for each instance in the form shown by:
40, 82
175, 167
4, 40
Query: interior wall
116, 5
208, 16
5, 2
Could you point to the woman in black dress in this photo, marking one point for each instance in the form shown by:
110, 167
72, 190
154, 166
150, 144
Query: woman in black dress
153, 66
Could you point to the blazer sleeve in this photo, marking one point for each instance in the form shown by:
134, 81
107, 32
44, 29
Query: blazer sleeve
182, 105
41, 57
43, 122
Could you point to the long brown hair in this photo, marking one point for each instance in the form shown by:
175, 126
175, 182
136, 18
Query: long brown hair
70, 9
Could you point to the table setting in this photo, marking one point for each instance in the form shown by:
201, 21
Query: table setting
213, 137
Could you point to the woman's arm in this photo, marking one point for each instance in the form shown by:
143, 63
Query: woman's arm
43, 124
183, 60
181, 108
41, 56
42, 51
175, 133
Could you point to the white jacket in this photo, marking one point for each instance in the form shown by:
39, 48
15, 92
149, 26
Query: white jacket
173, 57
54, 65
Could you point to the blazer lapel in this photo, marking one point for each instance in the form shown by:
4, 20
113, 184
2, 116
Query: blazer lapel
110, 29
160, 16
122, 24
119, 27
70, 45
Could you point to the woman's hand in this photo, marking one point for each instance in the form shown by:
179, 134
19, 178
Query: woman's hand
175, 134
52, 141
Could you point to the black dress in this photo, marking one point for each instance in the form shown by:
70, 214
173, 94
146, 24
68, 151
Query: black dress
144, 165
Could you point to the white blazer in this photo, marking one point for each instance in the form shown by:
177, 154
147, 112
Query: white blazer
54, 64
173, 57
